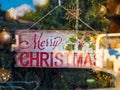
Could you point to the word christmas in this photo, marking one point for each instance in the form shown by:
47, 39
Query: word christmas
57, 59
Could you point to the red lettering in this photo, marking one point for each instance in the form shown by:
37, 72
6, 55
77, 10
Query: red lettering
24, 44
94, 63
67, 57
78, 59
58, 57
51, 59
46, 42
51, 42
57, 41
23, 62
44, 58
40, 43
35, 57
88, 60
35, 43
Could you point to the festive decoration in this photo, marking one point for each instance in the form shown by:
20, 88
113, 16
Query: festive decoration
91, 1
5, 75
102, 11
75, 12
93, 38
41, 3
103, 78
83, 39
5, 37
102, 40
55, 21
117, 10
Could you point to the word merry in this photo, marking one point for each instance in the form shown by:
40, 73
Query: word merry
38, 41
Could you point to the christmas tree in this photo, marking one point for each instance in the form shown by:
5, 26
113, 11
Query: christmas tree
59, 15
90, 12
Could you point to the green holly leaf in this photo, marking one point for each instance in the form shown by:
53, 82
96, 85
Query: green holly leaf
87, 38
80, 47
73, 40
70, 47
80, 34
92, 46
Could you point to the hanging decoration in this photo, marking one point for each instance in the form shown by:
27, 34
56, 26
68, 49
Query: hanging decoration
75, 13
84, 39
55, 44
117, 10
93, 38
92, 1
41, 3
5, 75
102, 11
5, 37
103, 78
70, 13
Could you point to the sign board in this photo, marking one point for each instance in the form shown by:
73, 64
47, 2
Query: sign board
55, 49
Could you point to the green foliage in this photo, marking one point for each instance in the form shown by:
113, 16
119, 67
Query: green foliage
70, 47
57, 19
73, 40
28, 15
57, 79
82, 39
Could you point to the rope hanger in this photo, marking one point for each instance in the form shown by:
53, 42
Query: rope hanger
59, 5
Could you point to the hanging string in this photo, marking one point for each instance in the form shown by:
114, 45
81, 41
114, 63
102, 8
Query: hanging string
59, 2
43, 17
59, 5
79, 19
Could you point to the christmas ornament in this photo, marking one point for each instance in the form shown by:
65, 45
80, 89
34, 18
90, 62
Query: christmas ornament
74, 12
102, 11
93, 38
5, 37
91, 1
41, 3
117, 10
5, 75
103, 79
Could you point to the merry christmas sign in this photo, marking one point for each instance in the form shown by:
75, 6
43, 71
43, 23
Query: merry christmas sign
55, 49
